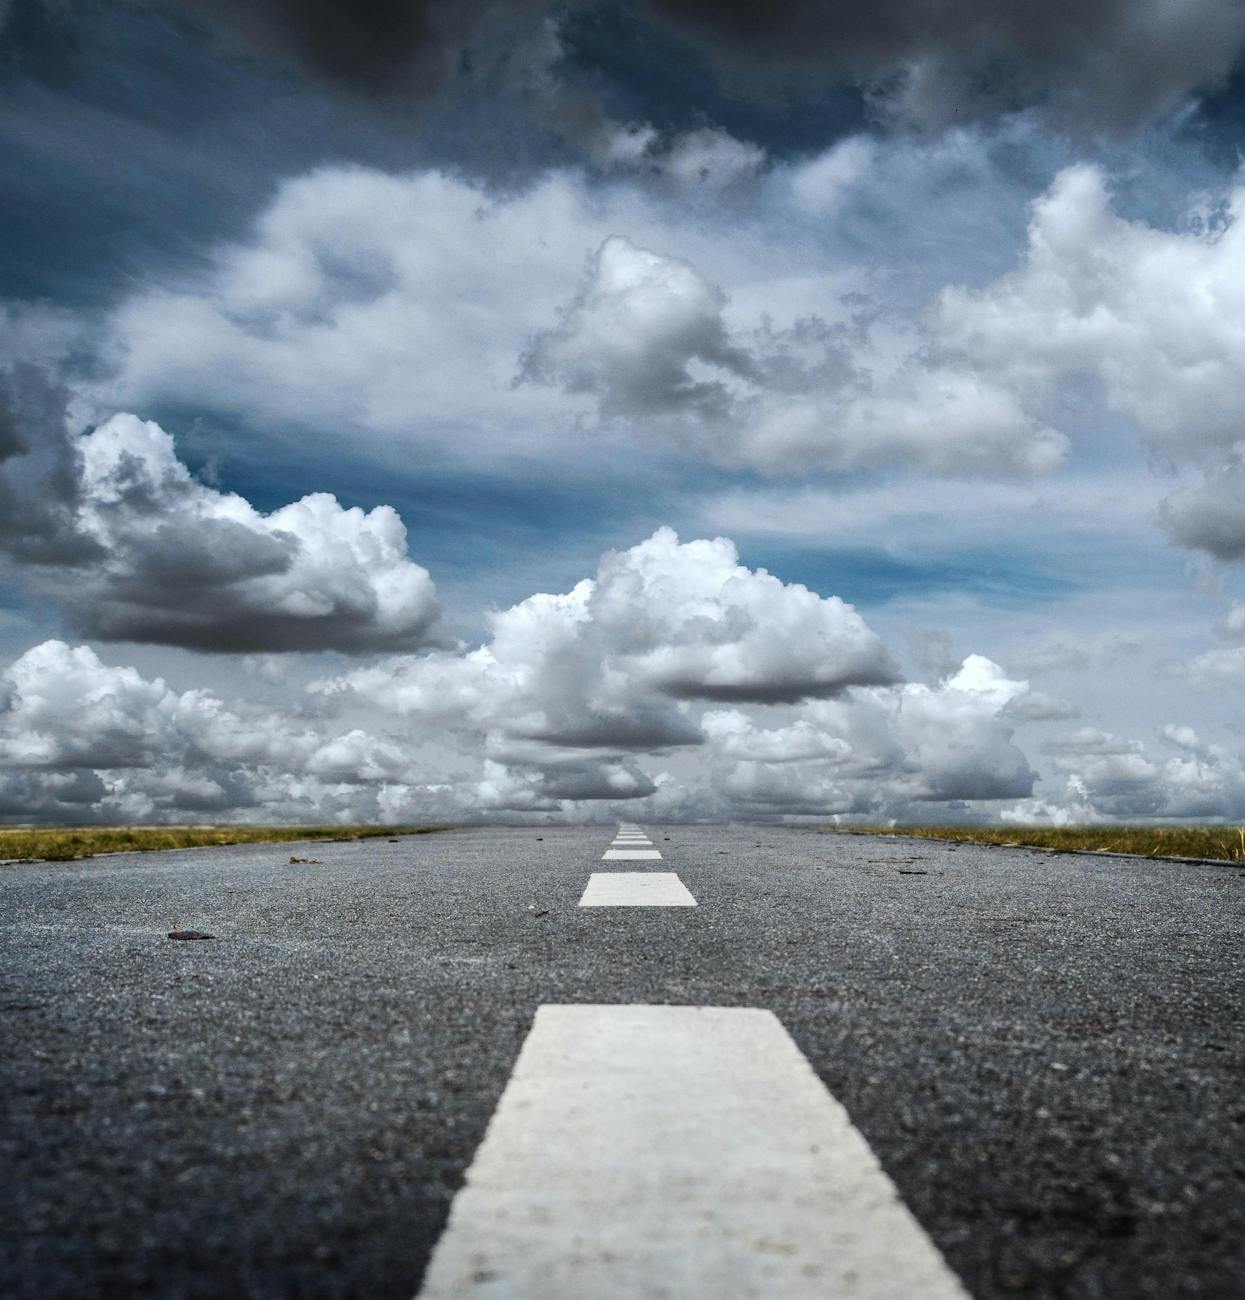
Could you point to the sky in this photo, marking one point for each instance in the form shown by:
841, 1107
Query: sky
423, 410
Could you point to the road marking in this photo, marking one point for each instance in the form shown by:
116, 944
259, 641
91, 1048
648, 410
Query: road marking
640, 1152
636, 889
613, 855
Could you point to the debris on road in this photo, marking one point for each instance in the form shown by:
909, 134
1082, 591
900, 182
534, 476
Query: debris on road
310, 862
537, 911
910, 872
178, 933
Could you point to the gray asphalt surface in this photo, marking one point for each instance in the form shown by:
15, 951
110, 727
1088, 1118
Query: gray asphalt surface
1046, 1052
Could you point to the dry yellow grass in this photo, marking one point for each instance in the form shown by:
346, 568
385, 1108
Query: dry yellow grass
1223, 843
62, 843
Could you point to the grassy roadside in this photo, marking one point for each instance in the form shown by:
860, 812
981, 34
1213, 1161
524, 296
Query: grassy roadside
1223, 843
62, 843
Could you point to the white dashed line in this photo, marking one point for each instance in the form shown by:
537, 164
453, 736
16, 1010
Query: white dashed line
615, 855
640, 1152
636, 889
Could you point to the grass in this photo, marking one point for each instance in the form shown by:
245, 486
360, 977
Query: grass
1223, 843
61, 843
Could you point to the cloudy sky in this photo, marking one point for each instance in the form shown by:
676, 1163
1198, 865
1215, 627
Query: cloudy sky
428, 409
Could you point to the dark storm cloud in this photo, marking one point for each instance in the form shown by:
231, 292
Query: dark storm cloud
1211, 516
1117, 61
372, 47
134, 137
39, 481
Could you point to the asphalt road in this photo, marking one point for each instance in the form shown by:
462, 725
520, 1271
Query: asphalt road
1046, 1052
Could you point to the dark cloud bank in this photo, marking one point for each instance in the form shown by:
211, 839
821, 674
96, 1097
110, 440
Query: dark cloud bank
1115, 62
373, 47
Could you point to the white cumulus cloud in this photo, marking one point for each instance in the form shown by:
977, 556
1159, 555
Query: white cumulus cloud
877, 751
136, 548
676, 681
1154, 317
646, 335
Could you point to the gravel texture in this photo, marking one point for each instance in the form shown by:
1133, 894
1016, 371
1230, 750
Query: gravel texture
1045, 1051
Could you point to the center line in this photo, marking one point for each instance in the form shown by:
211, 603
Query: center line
636, 889
648, 1151
613, 855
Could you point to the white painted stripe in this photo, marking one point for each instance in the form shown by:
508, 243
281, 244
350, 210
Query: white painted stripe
634, 842
636, 889
691, 1152
630, 855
